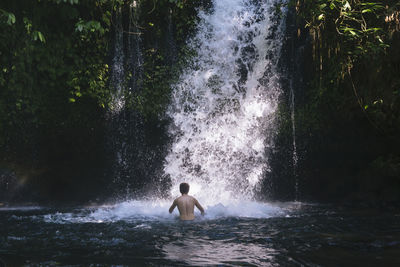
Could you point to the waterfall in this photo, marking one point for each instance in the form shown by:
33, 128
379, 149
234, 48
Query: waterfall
117, 69
125, 136
117, 143
294, 153
224, 105
134, 49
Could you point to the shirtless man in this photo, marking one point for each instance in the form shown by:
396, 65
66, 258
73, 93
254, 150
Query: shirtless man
186, 204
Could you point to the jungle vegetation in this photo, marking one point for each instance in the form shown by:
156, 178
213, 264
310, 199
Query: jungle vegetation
348, 113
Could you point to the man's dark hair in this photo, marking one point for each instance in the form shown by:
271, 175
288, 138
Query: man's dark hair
184, 188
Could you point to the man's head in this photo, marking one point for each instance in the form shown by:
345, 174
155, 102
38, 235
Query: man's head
184, 188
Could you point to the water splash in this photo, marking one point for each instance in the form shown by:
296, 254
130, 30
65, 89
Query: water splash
223, 107
143, 212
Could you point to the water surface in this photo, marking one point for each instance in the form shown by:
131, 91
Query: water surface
140, 233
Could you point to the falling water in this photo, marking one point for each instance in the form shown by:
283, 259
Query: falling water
294, 153
117, 69
223, 107
117, 123
134, 49
126, 131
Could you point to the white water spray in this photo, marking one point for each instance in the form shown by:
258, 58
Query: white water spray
223, 107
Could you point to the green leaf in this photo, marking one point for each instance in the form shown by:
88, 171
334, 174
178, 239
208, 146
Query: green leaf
38, 35
28, 25
11, 19
366, 10
41, 37
347, 6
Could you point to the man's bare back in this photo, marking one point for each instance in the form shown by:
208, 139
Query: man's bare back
186, 205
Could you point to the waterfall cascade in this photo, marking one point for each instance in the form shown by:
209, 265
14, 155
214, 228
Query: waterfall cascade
223, 106
136, 145
125, 124
118, 124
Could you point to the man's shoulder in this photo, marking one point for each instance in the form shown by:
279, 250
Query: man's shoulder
185, 197
192, 198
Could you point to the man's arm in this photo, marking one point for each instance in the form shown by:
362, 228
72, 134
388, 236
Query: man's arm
171, 209
199, 206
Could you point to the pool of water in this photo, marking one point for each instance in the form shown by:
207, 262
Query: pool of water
142, 233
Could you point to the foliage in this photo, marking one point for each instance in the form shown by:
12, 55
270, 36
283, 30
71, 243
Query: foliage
9, 17
358, 24
165, 26
53, 68
348, 119
348, 35
55, 88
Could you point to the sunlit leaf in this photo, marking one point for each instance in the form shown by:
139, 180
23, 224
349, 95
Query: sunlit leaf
11, 19
41, 37
347, 6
